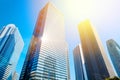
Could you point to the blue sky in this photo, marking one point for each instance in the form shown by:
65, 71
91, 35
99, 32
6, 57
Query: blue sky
103, 14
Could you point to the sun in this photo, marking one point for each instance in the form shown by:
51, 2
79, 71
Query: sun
81, 9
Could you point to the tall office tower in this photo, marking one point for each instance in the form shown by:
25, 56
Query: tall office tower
11, 45
79, 67
97, 64
47, 57
114, 52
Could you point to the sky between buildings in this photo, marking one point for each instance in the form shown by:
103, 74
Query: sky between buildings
103, 14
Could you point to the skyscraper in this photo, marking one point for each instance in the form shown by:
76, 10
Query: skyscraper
79, 67
11, 45
97, 64
114, 52
47, 57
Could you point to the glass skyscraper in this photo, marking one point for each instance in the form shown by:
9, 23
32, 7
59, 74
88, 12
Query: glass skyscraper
11, 45
79, 67
97, 65
47, 57
114, 52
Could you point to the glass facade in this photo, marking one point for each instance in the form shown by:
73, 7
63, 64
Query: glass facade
11, 45
47, 57
15, 76
114, 52
93, 54
79, 72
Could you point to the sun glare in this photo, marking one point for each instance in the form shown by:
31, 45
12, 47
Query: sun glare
80, 8
44, 38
